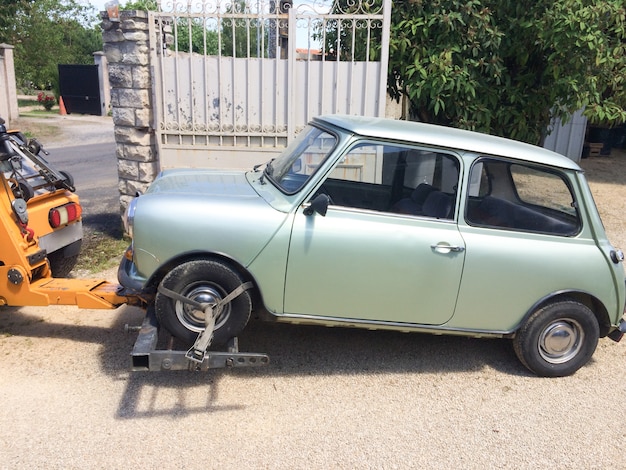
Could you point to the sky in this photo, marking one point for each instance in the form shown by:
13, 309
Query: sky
97, 4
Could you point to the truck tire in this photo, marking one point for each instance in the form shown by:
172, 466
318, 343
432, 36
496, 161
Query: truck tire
203, 281
61, 265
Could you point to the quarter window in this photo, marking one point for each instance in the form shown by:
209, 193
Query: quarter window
520, 197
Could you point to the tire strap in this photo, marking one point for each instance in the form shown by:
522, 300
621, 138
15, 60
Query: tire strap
198, 351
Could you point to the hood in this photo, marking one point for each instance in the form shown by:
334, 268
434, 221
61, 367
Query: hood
201, 211
205, 183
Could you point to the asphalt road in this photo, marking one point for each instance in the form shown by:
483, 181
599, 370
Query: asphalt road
94, 169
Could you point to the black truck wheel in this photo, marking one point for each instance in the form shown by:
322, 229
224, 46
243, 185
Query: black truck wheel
63, 260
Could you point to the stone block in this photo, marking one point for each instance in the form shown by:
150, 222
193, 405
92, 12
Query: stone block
141, 77
135, 54
123, 116
143, 117
148, 172
132, 187
130, 135
113, 53
120, 75
138, 153
133, 98
128, 169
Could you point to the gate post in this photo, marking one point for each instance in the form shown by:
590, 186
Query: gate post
127, 50
8, 91
103, 79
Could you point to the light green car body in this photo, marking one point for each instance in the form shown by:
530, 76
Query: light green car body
378, 269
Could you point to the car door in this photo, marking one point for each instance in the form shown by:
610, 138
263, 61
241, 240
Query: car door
373, 265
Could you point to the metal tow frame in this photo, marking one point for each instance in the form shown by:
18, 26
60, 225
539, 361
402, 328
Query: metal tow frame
146, 357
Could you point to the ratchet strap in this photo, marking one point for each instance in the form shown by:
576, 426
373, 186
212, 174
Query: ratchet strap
198, 351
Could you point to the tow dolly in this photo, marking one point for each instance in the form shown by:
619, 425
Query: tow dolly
26, 278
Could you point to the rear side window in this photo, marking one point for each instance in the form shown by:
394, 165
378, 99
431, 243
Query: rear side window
521, 197
542, 189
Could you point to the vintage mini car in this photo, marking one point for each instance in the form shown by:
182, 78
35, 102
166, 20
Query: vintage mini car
383, 224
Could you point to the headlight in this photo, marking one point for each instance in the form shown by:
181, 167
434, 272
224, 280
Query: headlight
129, 217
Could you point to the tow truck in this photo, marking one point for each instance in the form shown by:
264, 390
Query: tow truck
26, 277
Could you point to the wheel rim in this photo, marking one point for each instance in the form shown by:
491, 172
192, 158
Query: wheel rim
194, 320
561, 341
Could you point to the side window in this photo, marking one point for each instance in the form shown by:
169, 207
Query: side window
521, 197
394, 178
543, 189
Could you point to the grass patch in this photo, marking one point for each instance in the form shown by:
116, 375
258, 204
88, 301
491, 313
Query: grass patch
40, 130
100, 251
27, 102
40, 113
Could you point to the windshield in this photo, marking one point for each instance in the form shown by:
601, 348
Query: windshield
301, 159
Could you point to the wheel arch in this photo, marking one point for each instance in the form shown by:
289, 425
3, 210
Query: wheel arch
590, 301
245, 274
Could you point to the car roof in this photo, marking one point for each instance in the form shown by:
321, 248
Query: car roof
448, 137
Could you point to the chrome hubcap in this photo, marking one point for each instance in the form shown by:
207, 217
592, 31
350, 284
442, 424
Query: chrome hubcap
560, 341
193, 319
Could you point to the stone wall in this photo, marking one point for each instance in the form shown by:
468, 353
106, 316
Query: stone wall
127, 50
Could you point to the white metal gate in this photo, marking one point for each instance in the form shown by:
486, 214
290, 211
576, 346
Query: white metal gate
238, 80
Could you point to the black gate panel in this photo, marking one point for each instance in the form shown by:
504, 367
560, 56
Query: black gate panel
79, 87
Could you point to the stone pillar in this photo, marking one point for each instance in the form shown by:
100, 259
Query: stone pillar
8, 91
127, 50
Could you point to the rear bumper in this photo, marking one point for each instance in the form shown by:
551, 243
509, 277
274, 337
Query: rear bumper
69, 236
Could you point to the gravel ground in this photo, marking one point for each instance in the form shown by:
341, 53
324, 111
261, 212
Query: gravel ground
331, 398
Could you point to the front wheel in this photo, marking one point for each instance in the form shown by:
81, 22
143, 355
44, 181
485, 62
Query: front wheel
557, 339
203, 281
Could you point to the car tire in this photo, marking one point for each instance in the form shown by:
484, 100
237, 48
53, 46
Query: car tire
558, 339
61, 265
202, 281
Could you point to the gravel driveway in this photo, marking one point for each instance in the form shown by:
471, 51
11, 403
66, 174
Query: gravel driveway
331, 398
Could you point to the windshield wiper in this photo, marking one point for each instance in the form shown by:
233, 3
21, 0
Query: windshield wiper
268, 170
259, 165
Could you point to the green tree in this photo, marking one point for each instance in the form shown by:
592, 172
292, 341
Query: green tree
46, 33
143, 5
241, 37
508, 67
192, 34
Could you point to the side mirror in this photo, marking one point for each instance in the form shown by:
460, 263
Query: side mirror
318, 204
296, 167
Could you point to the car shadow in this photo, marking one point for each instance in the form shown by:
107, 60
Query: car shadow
107, 223
306, 350
293, 351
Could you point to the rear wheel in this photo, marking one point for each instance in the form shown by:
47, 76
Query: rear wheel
206, 282
557, 339
61, 265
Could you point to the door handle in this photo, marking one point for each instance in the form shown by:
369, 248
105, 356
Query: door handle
445, 248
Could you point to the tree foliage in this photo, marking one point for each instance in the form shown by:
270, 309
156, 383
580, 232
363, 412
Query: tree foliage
508, 67
46, 33
143, 5
238, 37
